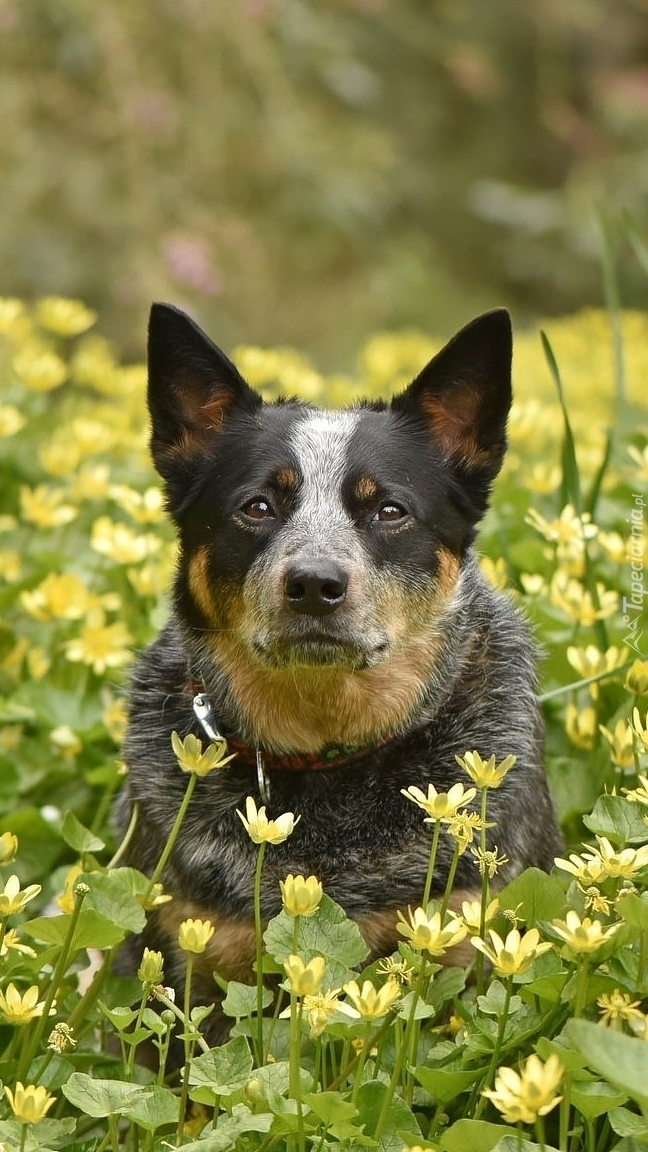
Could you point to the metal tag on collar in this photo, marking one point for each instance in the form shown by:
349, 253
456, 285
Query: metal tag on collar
204, 713
262, 779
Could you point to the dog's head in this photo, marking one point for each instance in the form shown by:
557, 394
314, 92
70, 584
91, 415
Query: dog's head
324, 540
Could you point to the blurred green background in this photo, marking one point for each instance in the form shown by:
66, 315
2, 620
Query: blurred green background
308, 172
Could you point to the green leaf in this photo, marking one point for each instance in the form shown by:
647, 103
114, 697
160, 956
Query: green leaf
474, 1136
445, 1084
79, 837
229, 1129
370, 1099
618, 819
634, 910
158, 1108
627, 1123
594, 1097
114, 894
336, 1113
330, 934
103, 1097
541, 896
91, 931
220, 1072
241, 999
623, 1060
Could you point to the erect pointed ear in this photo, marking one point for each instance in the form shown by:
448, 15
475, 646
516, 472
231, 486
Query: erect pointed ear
464, 395
192, 387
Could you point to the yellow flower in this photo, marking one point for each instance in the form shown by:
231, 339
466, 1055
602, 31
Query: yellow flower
121, 544
583, 936
640, 730
522, 1097
577, 602
145, 507
91, 482
44, 507
63, 316
533, 584
67, 900
624, 863
18, 1009
12, 899
66, 741
305, 979
151, 966
264, 831
319, 1008
440, 805
485, 773
11, 420
428, 934
100, 645
372, 1002
569, 527
155, 899
30, 1103
595, 901
115, 717
488, 861
191, 758
63, 597
61, 1038
639, 795
59, 457
398, 969
590, 661
515, 955
13, 942
614, 546
301, 896
8, 847
462, 828
38, 663
471, 913
542, 479
495, 571
637, 678
11, 312
10, 565
194, 935
39, 369
617, 1007
587, 868
580, 725
620, 743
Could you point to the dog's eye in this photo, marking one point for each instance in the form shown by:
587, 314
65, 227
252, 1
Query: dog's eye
390, 513
258, 509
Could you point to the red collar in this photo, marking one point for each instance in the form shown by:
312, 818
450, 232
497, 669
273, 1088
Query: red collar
333, 756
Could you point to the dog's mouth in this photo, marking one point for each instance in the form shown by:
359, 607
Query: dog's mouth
320, 649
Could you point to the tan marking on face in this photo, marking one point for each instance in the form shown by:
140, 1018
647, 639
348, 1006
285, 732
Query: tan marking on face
366, 488
232, 949
454, 419
287, 479
221, 604
302, 708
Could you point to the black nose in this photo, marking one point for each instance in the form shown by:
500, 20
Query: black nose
317, 590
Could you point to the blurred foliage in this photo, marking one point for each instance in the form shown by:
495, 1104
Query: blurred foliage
290, 170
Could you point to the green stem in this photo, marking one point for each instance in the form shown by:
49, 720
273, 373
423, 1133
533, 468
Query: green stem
200, 1040
450, 881
410, 1029
362, 1059
258, 929
494, 1060
580, 999
57, 976
133, 1048
173, 836
485, 894
188, 1049
126, 839
295, 1065
91, 993
431, 863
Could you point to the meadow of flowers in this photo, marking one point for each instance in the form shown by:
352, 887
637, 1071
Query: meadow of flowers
542, 1040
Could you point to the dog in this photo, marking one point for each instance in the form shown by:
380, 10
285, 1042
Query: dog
330, 614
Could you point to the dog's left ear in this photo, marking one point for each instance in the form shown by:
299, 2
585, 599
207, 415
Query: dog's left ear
464, 395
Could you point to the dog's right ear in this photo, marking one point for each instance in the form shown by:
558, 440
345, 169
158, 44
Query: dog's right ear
192, 386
